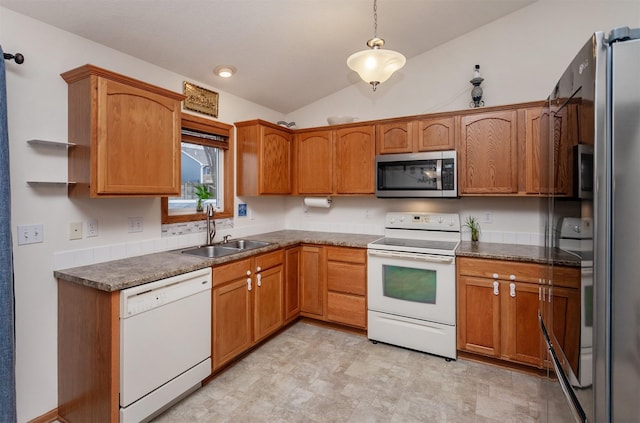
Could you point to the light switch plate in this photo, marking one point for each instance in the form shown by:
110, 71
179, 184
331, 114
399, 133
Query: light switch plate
135, 224
30, 234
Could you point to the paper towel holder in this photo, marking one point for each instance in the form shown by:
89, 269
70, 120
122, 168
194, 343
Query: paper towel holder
321, 202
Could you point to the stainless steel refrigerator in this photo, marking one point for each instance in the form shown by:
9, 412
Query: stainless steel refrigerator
599, 94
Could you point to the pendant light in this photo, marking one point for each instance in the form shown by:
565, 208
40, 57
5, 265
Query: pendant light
375, 65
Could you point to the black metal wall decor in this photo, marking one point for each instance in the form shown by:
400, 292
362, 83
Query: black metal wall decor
476, 91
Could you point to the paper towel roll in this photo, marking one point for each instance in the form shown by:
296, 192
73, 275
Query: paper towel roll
324, 202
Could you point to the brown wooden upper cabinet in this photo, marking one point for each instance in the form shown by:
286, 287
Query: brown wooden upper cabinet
264, 152
335, 161
488, 153
127, 135
412, 136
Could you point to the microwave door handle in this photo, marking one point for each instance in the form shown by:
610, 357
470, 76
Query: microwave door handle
439, 174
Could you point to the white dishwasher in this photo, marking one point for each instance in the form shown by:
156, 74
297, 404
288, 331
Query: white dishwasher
165, 343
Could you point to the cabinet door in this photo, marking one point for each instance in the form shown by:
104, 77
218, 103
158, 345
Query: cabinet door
566, 321
231, 320
138, 141
564, 137
354, 160
315, 162
267, 317
312, 282
522, 340
535, 151
478, 316
488, 154
274, 161
291, 283
435, 134
394, 137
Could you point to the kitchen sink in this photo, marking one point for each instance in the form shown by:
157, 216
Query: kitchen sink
244, 244
211, 251
224, 249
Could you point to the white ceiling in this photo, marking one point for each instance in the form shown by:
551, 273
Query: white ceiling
289, 53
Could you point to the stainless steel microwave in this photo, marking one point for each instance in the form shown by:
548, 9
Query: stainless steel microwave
417, 175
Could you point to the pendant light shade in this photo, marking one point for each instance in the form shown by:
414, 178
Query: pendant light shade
375, 65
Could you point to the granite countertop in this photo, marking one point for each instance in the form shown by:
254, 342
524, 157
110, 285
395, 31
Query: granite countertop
125, 273
515, 252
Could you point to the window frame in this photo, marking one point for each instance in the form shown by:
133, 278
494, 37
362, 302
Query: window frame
189, 121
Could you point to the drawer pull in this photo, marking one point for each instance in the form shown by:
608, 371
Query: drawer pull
248, 284
496, 285
512, 289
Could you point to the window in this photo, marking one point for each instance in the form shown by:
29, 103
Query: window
207, 160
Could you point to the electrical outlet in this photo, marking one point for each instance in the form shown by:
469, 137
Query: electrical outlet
488, 217
92, 228
135, 224
30, 234
75, 230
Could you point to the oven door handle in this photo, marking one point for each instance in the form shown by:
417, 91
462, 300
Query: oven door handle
412, 256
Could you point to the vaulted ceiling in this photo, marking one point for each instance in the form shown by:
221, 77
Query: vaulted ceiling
288, 53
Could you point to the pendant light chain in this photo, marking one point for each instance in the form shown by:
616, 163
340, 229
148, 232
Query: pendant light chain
375, 18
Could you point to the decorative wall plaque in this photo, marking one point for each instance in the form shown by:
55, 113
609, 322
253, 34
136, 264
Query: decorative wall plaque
200, 99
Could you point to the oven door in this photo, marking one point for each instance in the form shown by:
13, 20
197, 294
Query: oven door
420, 286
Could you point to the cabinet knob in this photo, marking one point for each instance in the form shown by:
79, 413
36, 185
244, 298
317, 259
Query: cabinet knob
248, 272
496, 286
258, 269
495, 276
512, 277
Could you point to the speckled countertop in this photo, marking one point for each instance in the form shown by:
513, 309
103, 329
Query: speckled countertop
514, 252
120, 274
125, 273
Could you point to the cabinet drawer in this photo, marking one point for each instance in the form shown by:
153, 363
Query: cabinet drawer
231, 271
268, 260
568, 277
347, 309
346, 277
523, 272
349, 255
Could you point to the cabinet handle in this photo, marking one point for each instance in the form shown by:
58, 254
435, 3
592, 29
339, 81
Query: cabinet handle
512, 277
248, 272
544, 294
539, 293
258, 269
496, 284
259, 279
495, 276
512, 289
549, 297
248, 284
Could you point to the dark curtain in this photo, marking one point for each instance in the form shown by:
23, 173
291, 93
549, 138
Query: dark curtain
7, 331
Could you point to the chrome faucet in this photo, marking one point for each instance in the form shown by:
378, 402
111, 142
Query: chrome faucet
225, 239
211, 224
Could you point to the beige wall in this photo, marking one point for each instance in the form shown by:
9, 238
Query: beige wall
520, 57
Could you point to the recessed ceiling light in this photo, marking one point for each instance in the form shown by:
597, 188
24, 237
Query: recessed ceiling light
224, 71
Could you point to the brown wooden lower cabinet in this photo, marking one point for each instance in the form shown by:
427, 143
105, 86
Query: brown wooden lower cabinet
312, 282
292, 283
247, 304
498, 303
347, 286
88, 353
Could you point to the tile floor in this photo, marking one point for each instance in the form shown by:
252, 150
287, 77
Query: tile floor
310, 373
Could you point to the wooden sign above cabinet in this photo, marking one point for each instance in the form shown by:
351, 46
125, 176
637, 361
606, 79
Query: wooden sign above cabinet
127, 135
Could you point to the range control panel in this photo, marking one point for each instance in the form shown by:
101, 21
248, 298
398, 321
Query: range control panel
423, 221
